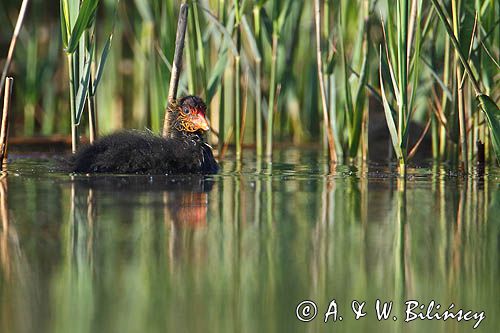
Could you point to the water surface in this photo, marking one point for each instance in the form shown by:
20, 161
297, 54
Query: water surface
238, 251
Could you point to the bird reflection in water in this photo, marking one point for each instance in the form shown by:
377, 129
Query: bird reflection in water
185, 198
181, 200
187, 209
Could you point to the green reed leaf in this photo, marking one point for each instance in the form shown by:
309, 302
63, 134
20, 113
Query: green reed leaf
83, 21
217, 74
331, 62
102, 62
64, 23
436, 77
251, 39
359, 101
83, 87
388, 115
226, 31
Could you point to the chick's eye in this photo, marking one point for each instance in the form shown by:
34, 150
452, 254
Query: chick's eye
185, 110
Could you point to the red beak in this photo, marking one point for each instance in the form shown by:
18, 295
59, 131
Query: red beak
200, 122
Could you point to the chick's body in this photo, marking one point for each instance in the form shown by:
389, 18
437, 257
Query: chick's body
183, 151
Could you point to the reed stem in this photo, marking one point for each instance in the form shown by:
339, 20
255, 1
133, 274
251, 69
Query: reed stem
460, 93
72, 96
319, 62
13, 41
237, 108
272, 87
91, 104
444, 99
237, 83
258, 109
92, 117
177, 63
199, 44
456, 45
402, 70
4, 132
258, 92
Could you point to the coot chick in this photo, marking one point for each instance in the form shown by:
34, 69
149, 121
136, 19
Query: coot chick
183, 151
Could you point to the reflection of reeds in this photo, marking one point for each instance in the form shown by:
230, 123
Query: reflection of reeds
401, 246
456, 238
318, 237
16, 315
72, 286
4, 236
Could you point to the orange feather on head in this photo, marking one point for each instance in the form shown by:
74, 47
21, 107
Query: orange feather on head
191, 115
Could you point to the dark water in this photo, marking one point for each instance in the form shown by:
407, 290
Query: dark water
237, 252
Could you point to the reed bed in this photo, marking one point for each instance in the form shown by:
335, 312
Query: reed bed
275, 71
